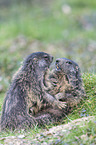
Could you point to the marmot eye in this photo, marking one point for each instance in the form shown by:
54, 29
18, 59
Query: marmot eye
46, 57
69, 62
57, 61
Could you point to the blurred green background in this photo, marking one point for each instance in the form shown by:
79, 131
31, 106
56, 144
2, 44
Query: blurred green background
63, 28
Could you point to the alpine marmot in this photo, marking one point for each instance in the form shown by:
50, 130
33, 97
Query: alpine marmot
25, 91
65, 83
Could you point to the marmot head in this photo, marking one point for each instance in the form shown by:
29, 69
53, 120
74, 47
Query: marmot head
38, 61
70, 69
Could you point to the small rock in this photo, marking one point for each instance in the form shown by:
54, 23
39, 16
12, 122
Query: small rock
21, 136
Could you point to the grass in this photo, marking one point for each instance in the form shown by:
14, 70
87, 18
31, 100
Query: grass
46, 24
28, 28
84, 133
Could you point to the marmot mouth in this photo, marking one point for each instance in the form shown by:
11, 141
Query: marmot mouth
57, 67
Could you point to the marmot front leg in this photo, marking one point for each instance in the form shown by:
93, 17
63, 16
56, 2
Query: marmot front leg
54, 102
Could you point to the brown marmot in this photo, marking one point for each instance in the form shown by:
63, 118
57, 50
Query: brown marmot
64, 83
26, 91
